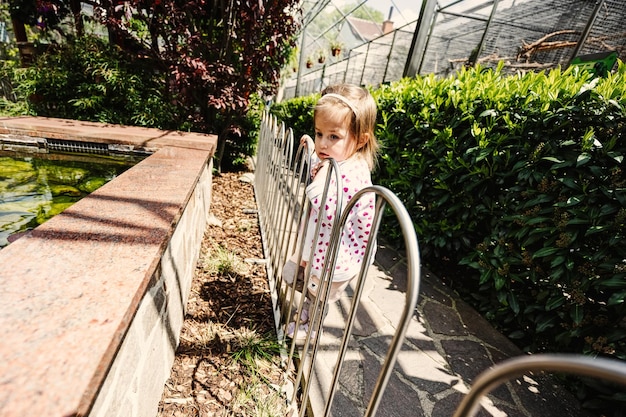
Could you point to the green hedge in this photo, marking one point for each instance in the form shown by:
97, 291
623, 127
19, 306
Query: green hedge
520, 179
297, 114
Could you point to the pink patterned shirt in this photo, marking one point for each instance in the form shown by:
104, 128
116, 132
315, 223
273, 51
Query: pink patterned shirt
355, 175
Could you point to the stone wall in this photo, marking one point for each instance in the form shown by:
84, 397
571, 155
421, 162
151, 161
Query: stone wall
92, 301
135, 382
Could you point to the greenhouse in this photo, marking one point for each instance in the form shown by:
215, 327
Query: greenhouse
527, 35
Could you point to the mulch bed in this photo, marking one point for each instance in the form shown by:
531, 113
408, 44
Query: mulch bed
229, 310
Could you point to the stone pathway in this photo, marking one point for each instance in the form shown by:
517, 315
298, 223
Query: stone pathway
447, 345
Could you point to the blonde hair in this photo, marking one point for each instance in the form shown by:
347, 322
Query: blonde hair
363, 115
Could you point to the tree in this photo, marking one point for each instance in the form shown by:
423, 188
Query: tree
47, 16
216, 52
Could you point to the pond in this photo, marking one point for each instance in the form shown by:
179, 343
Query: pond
36, 187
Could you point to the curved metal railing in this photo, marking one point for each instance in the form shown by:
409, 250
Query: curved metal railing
602, 368
280, 180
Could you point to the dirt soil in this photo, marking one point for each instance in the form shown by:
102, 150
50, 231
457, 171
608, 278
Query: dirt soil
229, 318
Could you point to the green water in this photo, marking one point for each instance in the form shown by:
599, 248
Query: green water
36, 187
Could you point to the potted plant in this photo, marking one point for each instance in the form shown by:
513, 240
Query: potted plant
335, 47
321, 56
309, 63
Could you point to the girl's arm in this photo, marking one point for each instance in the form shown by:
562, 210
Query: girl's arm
315, 189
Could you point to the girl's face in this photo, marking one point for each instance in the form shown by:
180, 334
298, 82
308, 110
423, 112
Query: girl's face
332, 135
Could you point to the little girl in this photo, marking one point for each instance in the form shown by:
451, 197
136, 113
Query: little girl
344, 118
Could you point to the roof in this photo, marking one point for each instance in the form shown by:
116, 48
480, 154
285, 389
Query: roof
364, 29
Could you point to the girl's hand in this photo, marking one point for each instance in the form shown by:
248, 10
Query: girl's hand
315, 169
309, 145
320, 167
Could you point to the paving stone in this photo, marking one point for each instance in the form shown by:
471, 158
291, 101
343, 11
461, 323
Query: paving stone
368, 320
509, 411
400, 277
424, 369
343, 407
374, 273
443, 320
325, 362
398, 399
469, 359
447, 406
351, 377
476, 325
466, 358
387, 257
390, 303
422, 344
428, 290
417, 335
542, 397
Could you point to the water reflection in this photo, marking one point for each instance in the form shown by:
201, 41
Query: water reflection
36, 187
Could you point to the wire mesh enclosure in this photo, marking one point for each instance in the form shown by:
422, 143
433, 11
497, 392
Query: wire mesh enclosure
524, 35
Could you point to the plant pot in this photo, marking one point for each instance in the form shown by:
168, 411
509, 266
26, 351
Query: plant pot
336, 51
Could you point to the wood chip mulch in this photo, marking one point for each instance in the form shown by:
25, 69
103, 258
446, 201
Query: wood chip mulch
229, 305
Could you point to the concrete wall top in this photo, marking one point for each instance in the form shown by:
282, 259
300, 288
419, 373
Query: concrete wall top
70, 287
139, 137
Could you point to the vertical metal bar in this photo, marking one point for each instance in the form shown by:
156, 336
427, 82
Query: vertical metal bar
272, 193
418, 44
300, 61
282, 198
587, 30
345, 74
367, 52
393, 42
476, 52
289, 202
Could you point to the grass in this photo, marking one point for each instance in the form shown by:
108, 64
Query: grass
252, 348
254, 400
221, 261
257, 356
260, 356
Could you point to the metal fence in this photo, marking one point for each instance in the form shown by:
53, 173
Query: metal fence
522, 34
280, 179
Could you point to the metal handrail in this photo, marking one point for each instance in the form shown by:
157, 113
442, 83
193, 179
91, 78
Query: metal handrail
602, 368
412, 290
